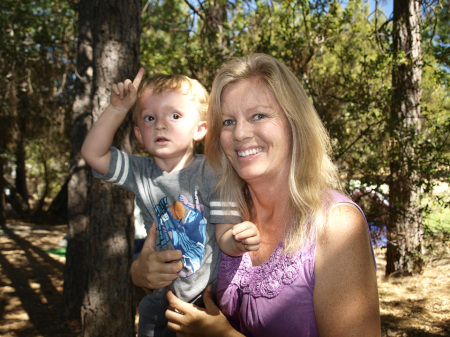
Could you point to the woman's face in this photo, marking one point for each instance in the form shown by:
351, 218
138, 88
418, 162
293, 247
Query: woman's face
255, 136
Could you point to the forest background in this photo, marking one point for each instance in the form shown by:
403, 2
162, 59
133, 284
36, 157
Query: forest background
350, 58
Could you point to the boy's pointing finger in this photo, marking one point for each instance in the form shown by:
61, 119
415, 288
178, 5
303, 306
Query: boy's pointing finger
137, 80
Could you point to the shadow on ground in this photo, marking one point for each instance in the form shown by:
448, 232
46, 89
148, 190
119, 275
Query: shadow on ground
31, 283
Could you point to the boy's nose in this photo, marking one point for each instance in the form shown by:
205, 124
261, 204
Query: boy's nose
160, 125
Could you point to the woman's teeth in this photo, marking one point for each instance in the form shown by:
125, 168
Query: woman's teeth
249, 152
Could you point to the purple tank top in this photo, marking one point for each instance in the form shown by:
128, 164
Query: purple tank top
275, 298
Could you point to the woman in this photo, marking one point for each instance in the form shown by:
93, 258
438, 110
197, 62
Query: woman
314, 274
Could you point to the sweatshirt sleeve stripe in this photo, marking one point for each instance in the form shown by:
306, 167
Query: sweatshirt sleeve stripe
224, 212
224, 209
144, 191
120, 172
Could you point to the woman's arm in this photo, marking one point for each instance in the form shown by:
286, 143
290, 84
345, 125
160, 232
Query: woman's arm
189, 320
345, 293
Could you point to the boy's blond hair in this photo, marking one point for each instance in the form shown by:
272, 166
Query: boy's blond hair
178, 83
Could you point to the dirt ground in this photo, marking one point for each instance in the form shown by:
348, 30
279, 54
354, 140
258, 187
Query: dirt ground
31, 286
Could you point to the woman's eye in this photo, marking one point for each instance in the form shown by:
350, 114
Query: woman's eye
175, 116
148, 118
258, 117
227, 122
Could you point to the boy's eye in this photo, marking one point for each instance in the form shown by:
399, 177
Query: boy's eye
148, 118
227, 122
175, 116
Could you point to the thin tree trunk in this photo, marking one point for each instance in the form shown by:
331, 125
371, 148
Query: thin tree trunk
43, 193
58, 207
2, 194
21, 173
405, 230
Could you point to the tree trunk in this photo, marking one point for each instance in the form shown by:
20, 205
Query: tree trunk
101, 231
43, 193
405, 229
58, 207
21, 172
2, 194
76, 270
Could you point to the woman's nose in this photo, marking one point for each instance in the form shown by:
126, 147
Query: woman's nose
242, 130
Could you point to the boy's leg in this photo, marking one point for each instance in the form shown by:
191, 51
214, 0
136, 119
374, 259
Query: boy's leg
152, 319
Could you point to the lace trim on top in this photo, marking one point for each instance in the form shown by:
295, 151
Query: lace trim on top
266, 280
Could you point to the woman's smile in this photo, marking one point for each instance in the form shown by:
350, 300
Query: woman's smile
249, 152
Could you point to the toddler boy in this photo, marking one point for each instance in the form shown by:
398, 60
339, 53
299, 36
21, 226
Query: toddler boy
174, 187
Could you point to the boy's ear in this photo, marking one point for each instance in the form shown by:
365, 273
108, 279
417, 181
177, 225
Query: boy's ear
201, 131
138, 134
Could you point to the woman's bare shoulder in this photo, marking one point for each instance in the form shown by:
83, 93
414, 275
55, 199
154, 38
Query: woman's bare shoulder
344, 222
345, 293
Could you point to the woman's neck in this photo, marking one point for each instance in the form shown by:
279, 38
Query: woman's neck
269, 200
271, 217
270, 211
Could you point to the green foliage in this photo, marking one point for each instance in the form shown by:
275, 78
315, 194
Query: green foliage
36, 85
352, 83
47, 167
164, 32
436, 31
341, 53
438, 209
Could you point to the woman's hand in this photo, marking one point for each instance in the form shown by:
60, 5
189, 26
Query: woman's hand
189, 320
153, 269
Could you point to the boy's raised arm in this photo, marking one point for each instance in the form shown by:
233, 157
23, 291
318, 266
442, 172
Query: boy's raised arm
96, 146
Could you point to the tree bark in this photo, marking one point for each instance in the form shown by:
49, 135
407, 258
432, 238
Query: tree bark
101, 230
405, 229
76, 271
21, 172
2, 194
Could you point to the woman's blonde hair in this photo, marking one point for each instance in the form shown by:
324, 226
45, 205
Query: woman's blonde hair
311, 173
178, 83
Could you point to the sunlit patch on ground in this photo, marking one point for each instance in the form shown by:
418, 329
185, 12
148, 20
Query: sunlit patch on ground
416, 305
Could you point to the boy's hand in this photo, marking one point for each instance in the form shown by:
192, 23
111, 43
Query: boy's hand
248, 234
124, 94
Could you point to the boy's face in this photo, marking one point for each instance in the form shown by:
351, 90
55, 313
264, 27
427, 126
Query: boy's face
168, 125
